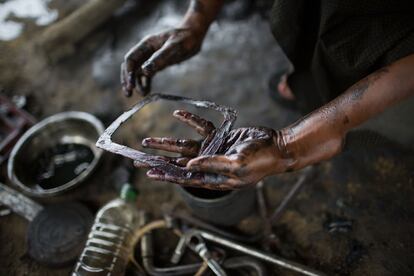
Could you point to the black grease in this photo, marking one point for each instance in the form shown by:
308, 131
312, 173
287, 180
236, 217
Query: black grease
362, 86
210, 145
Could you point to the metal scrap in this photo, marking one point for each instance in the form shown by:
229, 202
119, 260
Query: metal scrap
210, 147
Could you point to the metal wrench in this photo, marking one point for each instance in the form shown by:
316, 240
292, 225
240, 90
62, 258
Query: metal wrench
255, 253
197, 244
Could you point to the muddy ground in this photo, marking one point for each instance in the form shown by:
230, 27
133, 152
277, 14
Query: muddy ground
354, 218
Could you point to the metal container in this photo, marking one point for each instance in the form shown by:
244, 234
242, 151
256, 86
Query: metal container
225, 208
67, 128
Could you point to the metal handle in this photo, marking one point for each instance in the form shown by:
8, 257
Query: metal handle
19, 203
259, 254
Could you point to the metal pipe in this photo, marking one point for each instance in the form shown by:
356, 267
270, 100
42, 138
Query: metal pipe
147, 255
188, 219
291, 194
259, 254
240, 262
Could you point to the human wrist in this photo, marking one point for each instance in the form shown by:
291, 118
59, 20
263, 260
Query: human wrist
200, 14
309, 141
196, 23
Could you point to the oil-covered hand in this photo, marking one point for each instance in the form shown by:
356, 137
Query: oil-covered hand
156, 52
247, 155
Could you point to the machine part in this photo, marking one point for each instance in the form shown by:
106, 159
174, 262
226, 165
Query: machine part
246, 262
209, 147
261, 201
209, 204
197, 244
307, 173
19, 203
64, 130
203, 268
13, 122
188, 219
270, 258
147, 255
269, 238
179, 250
57, 234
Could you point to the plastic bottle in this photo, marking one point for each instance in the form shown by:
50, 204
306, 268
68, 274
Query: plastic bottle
109, 242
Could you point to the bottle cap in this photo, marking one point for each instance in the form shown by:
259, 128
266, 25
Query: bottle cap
128, 192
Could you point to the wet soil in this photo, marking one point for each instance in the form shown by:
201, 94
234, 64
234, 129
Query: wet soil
354, 218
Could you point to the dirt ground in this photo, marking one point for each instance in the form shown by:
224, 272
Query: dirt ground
354, 218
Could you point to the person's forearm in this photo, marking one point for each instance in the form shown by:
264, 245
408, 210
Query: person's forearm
320, 135
201, 13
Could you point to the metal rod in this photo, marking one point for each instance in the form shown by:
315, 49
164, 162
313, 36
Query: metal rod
291, 194
147, 255
19, 203
260, 255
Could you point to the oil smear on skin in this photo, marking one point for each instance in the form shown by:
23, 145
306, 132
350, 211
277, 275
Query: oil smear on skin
11, 11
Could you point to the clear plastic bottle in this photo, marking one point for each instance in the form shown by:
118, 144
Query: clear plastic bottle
109, 242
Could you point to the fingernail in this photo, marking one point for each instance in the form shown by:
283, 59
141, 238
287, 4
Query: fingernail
178, 112
145, 142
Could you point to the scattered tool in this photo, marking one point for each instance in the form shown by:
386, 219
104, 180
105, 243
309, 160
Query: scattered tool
256, 253
196, 240
197, 244
56, 233
147, 254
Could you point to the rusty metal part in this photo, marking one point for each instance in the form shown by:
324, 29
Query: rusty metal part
270, 258
307, 173
147, 255
210, 147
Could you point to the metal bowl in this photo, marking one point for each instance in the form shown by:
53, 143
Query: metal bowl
65, 128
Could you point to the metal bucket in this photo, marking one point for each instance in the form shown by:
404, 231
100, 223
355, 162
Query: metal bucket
220, 207
72, 127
